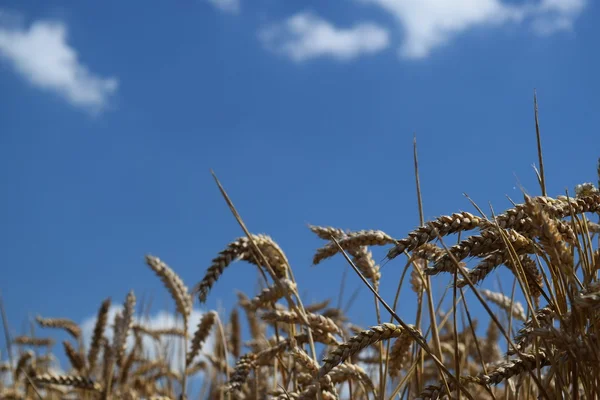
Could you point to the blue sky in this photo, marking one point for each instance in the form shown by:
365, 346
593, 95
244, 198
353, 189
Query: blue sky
113, 115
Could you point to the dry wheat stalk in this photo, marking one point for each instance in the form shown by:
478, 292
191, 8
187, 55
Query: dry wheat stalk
526, 362
353, 240
100, 325
21, 363
359, 342
361, 256
549, 236
477, 245
157, 333
266, 356
78, 382
428, 251
490, 350
149, 366
589, 297
11, 394
123, 323
432, 392
241, 249
316, 321
107, 360
363, 259
304, 360
499, 257
327, 388
535, 280
201, 334
583, 350
174, 284
515, 218
399, 353
242, 369
5, 366
318, 337
33, 341
256, 326
336, 315
514, 308
235, 337
271, 294
327, 232
61, 323
196, 367
441, 226
345, 372
318, 306
126, 366
416, 275
579, 205
74, 357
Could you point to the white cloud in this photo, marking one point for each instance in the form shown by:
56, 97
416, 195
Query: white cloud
231, 6
42, 55
429, 24
556, 15
562, 6
305, 36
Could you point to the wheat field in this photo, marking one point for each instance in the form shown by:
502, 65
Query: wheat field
274, 345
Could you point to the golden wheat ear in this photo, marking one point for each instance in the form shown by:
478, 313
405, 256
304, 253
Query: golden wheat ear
241, 249
98, 333
200, 336
174, 285
60, 323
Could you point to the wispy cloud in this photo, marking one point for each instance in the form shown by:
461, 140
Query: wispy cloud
305, 36
230, 6
556, 15
429, 24
42, 56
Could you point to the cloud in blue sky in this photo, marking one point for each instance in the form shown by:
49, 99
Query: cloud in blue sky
556, 15
425, 25
41, 54
43, 57
231, 6
429, 24
304, 36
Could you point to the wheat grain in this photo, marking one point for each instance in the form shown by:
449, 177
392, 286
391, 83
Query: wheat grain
235, 339
399, 353
33, 341
315, 321
359, 342
22, 362
174, 285
242, 369
271, 294
241, 249
441, 226
61, 323
74, 357
514, 308
98, 333
353, 240
67, 380
123, 323
201, 334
